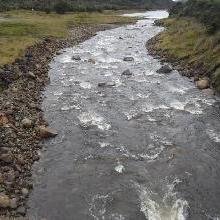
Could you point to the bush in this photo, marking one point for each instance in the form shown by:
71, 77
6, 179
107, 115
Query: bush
62, 7
47, 10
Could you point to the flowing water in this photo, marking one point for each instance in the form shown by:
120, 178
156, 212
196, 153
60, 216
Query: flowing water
147, 147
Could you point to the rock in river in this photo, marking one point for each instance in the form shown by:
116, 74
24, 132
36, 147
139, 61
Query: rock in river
127, 73
203, 83
128, 59
164, 69
46, 132
76, 57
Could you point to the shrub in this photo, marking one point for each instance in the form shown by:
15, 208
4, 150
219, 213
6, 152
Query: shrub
62, 7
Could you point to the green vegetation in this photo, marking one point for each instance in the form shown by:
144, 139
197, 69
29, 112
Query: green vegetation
82, 5
23, 28
187, 41
205, 11
192, 36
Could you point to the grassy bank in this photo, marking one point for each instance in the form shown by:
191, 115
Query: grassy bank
23, 28
187, 41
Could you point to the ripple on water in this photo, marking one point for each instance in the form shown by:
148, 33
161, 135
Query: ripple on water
91, 118
213, 135
85, 85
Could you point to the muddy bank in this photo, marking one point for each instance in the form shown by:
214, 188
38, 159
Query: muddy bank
197, 71
22, 125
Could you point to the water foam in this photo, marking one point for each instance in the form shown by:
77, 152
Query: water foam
169, 207
90, 118
213, 135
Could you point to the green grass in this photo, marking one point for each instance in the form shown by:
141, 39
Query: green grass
188, 41
24, 28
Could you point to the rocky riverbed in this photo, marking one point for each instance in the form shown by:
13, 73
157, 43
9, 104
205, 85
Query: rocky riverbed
22, 124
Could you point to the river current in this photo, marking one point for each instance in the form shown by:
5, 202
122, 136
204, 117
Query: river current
145, 146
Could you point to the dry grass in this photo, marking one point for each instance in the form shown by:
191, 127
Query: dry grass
187, 40
23, 28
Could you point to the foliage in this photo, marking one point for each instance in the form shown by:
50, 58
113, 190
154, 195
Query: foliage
205, 11
62, 7
82, 5
187, 41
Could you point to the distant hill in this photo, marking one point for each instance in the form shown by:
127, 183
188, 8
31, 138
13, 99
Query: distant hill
85, 5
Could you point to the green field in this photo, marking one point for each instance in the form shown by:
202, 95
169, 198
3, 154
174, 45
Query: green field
21, 28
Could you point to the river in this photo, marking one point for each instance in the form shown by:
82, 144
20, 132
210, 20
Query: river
145, 146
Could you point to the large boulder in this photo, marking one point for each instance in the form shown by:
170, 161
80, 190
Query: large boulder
165, 69
203, 83
46, 132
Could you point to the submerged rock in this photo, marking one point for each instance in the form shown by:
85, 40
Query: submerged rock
91, 61
128, 59
3, 119
46, 132
203, 83
127, 73
106, 84
101, 84
165, 69
76, 57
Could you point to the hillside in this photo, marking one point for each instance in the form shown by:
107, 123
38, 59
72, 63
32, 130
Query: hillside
191, 40
84, 5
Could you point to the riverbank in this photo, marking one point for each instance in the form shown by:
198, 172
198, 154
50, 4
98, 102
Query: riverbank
22, 125
192, 51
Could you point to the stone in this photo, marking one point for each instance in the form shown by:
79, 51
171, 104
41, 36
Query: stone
21, 210
128, 59
10, 176
165, 69
7, 158
4, 201
14, 89
30, 75
25, 192
3, 119
26, 123
203, 83
127, 73
101, 84
76, 57
58, 53
91, 61
46, 132
1, 178
13, 203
